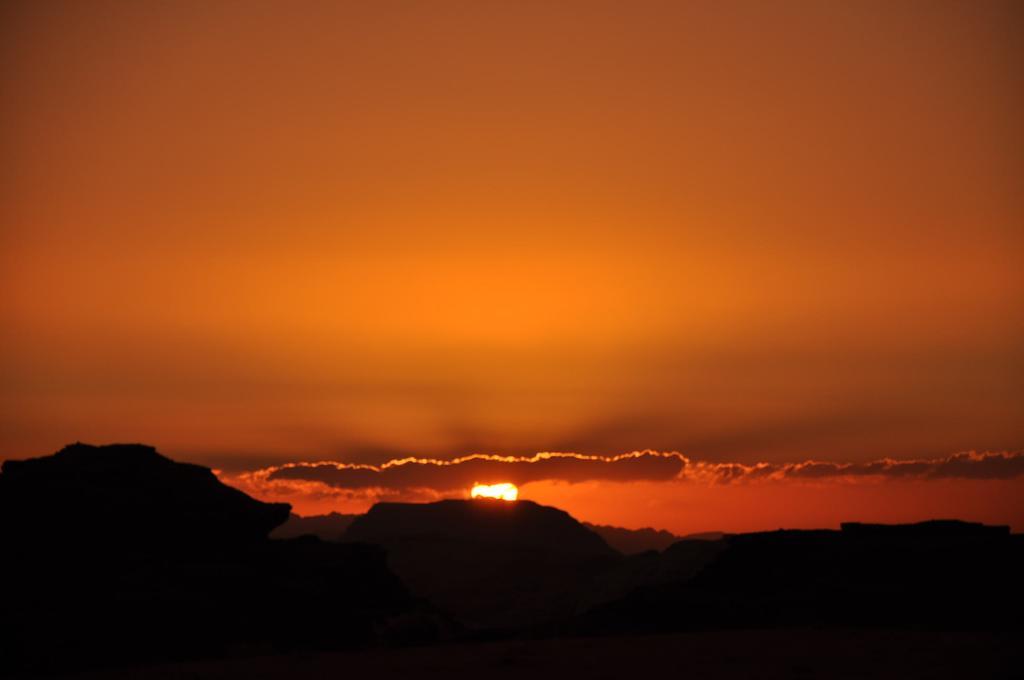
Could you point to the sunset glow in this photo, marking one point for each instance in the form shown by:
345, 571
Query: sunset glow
504, 491
416, 245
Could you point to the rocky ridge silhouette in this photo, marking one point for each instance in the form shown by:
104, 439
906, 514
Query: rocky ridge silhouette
117, 555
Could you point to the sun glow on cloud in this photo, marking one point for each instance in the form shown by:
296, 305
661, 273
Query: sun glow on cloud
667, 489
504, 491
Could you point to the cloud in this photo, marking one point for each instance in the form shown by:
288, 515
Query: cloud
967, 465
424, 479
461, 473
337, 484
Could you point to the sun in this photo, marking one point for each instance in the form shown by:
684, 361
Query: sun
505, 491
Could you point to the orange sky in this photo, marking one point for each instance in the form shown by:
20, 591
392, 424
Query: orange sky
250, 233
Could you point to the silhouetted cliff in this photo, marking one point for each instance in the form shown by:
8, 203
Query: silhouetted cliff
127, 495
118, 555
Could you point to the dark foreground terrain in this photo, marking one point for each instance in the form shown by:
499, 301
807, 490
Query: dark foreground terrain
120, 562
763, 654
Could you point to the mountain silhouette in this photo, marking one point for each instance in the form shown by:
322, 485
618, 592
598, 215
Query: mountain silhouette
944, 574
118, 555
521, 524
490, 563
128, 492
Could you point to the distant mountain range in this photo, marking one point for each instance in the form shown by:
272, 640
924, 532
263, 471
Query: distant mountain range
633, 541
329, 527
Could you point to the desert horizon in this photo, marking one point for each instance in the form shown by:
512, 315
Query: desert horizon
175, 556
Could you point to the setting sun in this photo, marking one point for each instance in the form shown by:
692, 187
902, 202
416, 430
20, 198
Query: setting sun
505, 491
